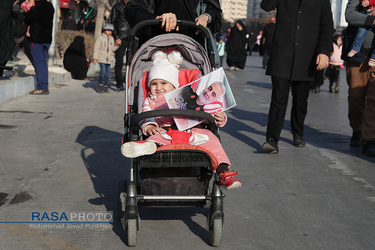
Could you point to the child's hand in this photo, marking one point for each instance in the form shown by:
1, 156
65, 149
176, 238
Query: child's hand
220, 118
152, 130
95, 61
365, 3
371, 11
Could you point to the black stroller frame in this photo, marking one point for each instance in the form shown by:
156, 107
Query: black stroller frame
178, 167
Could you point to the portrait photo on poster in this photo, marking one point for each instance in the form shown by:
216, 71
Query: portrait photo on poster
210, 93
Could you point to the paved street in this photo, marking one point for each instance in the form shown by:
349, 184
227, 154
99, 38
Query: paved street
60, 153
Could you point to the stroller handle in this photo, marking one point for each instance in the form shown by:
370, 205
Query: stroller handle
172, 112
154, 22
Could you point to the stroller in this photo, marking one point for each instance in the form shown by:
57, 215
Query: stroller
170, 177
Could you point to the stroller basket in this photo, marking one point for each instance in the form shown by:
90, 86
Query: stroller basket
183, 172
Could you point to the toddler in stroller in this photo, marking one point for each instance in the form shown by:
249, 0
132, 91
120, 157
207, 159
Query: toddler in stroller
163, 78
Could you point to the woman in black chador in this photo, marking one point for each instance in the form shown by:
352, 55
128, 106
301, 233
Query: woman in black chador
236, 46
75, 60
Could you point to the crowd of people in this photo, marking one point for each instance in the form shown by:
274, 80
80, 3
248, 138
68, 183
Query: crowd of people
293, 62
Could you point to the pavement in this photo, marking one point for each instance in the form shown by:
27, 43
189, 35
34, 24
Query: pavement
61, 153
21, 80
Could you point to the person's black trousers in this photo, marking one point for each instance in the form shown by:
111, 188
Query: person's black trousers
266, 55
279, 103
119, 56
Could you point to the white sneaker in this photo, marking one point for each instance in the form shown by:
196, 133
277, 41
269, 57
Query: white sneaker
231, 68
138, 148
352, 53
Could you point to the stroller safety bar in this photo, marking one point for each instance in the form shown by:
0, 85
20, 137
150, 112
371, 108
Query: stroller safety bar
172, 112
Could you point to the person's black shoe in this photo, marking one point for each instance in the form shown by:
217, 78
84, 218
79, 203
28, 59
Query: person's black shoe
270, 146
299, 141
355, 141
368, 148
100, 89
120, 89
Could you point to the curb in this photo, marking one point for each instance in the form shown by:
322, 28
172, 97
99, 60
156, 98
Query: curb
21, 86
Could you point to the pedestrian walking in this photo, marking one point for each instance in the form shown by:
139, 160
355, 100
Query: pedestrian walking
120, 33
40, 20
221, 49
359, 76
169, 11
68, 23
266, 40
236, 46
335, 65
301, 44
104, 53
251, 43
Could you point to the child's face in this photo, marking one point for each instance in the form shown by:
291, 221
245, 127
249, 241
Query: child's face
221, 40
339, 40
159, 87
108, 32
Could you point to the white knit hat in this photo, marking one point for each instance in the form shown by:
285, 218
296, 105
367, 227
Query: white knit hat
165, 67
108, 26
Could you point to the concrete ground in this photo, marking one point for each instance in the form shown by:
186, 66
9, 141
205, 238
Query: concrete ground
61, 153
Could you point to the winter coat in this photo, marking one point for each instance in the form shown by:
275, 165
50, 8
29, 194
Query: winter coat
335, 58
18, 22
356, 19
40, 20
303, 30
68, 24
139, 10
267, 36
104, 49
6, 31
119, 21
75, 58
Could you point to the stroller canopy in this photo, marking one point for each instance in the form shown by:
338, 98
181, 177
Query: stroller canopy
195, 57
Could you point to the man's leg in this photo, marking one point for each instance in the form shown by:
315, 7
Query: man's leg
265, 58
279, 102
119, 56
357, 76
368, 124
300, 93
39, 53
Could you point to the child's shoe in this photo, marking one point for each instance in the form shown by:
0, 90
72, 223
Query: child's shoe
231, 68
138, 148
371, 62
331, 89
352, 53
337, 89
229, 180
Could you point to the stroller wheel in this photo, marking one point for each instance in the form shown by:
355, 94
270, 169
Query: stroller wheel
131, 229
215, 232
